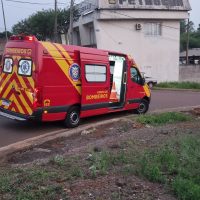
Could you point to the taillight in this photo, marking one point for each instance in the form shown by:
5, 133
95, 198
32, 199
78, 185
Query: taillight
37, 99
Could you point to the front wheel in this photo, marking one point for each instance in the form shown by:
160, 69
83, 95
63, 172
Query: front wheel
73, 118
143, 107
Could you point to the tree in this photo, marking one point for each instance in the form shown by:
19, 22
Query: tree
41, 24
3, 34
198, 29
194, 39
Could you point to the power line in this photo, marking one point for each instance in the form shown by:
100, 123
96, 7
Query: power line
4, 19
33, 3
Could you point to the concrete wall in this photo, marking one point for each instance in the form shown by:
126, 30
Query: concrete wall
157, 56
189, 73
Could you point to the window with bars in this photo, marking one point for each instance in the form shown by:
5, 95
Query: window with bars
153, 29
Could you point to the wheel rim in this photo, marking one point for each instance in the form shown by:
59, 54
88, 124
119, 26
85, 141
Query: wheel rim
142, 108
74, 118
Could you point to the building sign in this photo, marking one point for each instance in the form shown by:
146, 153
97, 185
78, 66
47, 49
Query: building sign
154, 4
87, 6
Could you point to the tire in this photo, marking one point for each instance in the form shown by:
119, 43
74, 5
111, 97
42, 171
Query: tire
72, 119
143, 107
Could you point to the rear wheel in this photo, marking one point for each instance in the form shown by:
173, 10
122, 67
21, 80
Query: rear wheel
73, 117
143, 107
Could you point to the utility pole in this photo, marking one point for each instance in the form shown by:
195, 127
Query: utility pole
4, 19
70, 33
56, 23
188, 40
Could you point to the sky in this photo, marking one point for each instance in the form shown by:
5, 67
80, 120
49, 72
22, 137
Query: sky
16, 12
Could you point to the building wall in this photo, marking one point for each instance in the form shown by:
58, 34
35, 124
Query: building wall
157, 56
114, 28
189, 73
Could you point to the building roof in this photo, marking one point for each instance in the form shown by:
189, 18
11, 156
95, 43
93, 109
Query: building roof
169, 5
192, 52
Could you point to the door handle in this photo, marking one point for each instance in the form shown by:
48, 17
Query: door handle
125, 77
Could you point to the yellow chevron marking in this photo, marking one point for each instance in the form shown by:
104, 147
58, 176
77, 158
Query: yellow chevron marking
21, 80
31, 81
64, 52
25, 104
2, 76
13, 98
64, 66
6, 80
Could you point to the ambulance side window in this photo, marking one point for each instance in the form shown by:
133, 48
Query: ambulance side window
95, 73
25, 67
135, 75
8, 65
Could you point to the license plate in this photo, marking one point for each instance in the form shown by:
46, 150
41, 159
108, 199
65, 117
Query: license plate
5, 103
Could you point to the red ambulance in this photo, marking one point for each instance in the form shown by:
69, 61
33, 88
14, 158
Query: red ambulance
47, 81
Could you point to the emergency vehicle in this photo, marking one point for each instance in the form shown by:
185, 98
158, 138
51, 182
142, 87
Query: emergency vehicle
47, 81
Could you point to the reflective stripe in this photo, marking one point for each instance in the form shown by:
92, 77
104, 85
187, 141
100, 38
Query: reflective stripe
62, 63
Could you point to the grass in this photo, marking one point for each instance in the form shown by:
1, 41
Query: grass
101, 162
163, 118
179, 85
29, 184
177, 165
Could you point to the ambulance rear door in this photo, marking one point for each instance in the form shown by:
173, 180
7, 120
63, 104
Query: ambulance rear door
17, 82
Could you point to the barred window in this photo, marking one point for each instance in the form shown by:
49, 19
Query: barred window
153, 29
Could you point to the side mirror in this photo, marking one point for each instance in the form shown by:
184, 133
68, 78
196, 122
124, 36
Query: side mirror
142, 81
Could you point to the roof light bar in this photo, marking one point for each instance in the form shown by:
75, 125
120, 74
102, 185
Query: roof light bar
23, 38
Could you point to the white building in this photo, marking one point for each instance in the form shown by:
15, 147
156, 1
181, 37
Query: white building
148, 30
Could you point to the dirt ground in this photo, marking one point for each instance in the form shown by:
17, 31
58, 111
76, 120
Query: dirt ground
112, 137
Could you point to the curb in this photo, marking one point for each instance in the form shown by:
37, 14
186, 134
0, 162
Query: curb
178, 109
176, 89
39, 140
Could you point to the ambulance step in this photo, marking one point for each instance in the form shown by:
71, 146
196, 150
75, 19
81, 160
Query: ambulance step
116, 107
11, 116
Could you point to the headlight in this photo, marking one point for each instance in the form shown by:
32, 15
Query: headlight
25, 67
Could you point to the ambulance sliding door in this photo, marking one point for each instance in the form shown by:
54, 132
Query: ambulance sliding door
95, 77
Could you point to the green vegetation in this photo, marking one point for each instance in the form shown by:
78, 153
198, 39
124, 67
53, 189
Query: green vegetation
37, 24
163, 118
179, 85
101, 162
194, 36
176, 165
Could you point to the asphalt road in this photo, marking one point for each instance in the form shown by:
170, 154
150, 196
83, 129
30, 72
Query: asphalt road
13, 131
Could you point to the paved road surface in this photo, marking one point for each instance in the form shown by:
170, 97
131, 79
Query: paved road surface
12, 131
